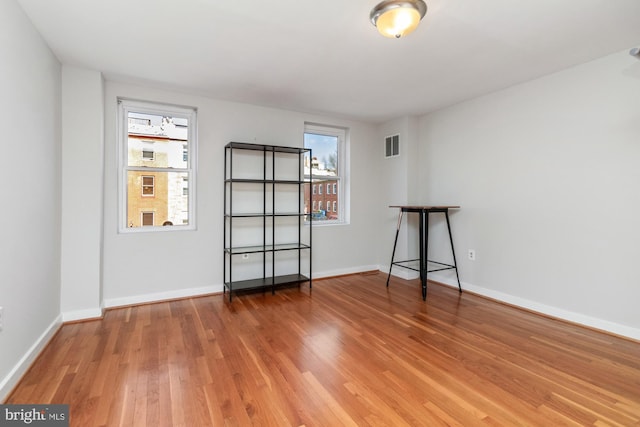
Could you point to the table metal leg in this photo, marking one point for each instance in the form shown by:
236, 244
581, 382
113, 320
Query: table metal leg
395, 242
453, 251
424, 255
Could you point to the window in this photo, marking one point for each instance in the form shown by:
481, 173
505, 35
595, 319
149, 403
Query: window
320, 205
147, 219
157, 158
147, 186
139, 121
327, 166
185, 187
148, 154
314, 189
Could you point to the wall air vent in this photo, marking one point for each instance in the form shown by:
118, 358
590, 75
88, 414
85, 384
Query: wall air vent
392, 146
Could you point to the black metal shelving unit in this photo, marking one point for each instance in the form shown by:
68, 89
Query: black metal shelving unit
269, 215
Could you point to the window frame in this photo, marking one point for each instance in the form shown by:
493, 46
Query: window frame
126, 106
341, 181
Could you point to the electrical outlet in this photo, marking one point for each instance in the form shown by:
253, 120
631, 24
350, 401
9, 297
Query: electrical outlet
1, 317
472, 254
245, 256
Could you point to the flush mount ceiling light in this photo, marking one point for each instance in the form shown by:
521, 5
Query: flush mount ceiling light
397, 18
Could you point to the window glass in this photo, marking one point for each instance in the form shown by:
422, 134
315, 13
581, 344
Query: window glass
325, 167
157, 165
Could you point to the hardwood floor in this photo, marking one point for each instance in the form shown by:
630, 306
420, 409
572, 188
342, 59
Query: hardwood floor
350, 352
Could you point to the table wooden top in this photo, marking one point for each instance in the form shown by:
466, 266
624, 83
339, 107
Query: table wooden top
426, 208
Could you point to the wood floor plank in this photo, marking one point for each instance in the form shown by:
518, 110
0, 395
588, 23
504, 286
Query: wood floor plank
349, 352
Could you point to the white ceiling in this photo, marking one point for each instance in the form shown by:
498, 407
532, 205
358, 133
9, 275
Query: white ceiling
324, 56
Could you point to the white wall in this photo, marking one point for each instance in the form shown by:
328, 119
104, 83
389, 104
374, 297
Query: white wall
548, 176
30, 180
147, 266
82, 183
401, 187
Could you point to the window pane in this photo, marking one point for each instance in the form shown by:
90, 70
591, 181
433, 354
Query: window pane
324, 206
165, 194
323, 166
325, 154
157, 141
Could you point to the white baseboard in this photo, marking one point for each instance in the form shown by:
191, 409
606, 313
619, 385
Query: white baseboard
581, 319
162, 296
344, 271
403, 273
206, 290
90, 313
9, 382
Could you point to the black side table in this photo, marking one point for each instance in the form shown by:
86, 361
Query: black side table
424, 212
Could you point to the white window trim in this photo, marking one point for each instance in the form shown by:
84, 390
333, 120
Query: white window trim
128, 105
343, 179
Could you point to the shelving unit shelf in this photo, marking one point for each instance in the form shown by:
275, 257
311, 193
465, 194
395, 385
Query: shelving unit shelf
264, 188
